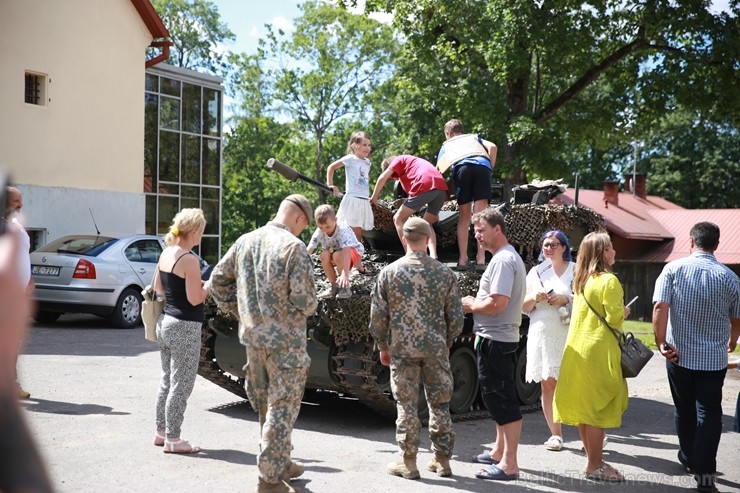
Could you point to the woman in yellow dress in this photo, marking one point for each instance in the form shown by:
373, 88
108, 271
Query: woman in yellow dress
591, 392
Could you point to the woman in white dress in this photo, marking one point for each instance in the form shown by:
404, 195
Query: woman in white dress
547, 302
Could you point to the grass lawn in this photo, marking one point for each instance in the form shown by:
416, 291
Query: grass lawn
644, 332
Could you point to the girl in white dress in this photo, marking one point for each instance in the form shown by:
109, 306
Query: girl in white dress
355, 207
547, 302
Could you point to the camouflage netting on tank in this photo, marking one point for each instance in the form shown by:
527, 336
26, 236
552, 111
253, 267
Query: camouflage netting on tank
348, 319
383, 213
526, 223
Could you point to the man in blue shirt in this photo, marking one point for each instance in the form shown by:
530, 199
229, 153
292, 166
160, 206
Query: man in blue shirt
696, 321
472, 160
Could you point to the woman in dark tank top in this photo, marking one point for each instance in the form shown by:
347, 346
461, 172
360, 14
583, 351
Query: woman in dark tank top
178, 330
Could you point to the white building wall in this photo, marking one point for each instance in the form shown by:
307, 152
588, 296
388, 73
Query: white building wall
85, 148
115, 213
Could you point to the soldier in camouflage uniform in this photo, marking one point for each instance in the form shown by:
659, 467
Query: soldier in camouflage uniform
266, 281
415, 316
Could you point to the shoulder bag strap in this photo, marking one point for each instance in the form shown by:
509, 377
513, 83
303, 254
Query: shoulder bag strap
154, 280
617, 334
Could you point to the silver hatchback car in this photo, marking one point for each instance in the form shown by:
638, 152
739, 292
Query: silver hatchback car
100, 275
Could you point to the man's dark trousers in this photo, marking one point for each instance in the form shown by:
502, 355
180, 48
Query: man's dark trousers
697, 396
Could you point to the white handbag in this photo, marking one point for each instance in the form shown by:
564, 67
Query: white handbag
151, 309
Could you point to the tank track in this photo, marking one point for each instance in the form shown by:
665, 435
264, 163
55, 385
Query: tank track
208, 366
359, 372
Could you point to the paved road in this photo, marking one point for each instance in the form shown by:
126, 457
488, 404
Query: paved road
91, 412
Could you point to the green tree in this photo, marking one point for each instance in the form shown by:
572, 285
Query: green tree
252, 192
321, 74
547, 78
694, 162
196, 32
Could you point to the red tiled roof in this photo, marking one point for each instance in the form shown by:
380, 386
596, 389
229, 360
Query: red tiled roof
629, 218
679, 223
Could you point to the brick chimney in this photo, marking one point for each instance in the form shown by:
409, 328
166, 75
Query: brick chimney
640, 190
640, 187
611, 193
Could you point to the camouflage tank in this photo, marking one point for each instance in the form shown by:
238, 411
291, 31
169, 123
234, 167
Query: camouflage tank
343, 356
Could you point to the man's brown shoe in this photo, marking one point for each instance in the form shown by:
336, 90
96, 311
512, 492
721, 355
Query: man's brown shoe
441, 465
405, 467
295, 469
279, 487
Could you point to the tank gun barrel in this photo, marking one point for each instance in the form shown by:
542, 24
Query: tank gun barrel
293, 175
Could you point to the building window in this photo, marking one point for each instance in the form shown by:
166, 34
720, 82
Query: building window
183, 146
35, 89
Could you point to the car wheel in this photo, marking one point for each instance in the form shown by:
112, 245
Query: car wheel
128, 309
45, 317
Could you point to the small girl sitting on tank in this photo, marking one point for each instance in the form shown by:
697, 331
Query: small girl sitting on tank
340, 249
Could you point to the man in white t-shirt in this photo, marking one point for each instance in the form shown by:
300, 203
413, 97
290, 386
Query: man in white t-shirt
12, 210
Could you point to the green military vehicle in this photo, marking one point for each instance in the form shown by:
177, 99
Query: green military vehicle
343, 357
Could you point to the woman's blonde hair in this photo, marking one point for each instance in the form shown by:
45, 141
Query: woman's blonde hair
591, 259
185, 222
355, 140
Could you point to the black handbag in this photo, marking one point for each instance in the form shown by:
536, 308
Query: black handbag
635, 354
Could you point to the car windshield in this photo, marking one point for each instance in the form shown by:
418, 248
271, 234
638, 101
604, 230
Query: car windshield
79, 245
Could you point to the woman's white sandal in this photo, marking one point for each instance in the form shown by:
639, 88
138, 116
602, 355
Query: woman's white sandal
554, 443
170, 447
159, 439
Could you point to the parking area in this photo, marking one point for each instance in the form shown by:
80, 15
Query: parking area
91, 411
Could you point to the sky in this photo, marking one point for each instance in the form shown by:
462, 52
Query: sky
247, 19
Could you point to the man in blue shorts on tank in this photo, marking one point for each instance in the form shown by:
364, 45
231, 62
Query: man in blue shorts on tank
472, 160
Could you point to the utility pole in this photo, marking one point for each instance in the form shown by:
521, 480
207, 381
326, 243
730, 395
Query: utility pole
635, 145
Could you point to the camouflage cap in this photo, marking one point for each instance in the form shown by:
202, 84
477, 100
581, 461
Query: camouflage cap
303, 203
417, 225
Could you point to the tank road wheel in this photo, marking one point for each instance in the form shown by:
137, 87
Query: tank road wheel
465, 380
528, 392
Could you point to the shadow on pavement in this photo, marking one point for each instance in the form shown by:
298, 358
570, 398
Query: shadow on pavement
91, 341
326, 412
57, 407
228, 455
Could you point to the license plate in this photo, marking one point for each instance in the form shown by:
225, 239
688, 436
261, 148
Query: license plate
43, 270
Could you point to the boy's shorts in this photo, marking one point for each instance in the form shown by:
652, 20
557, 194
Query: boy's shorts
433, 199
354, 257
472, 182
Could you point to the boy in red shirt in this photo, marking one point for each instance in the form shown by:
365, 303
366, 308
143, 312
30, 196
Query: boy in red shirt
423, 184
